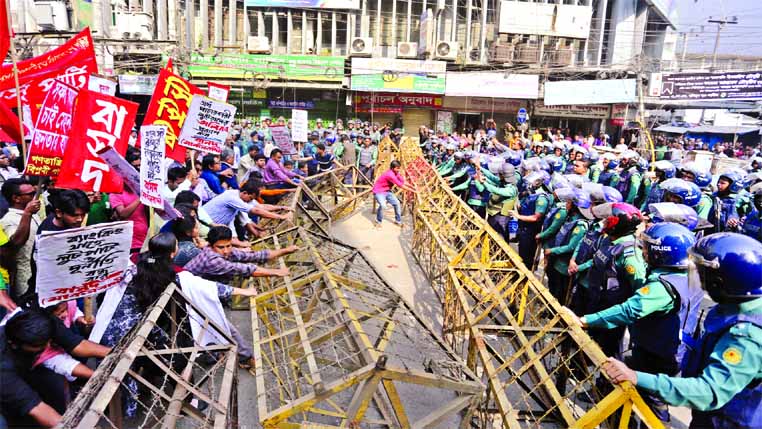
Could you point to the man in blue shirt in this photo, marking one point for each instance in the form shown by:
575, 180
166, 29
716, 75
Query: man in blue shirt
210, 167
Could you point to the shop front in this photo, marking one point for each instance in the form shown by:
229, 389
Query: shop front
408, 111
583, 119
469, 113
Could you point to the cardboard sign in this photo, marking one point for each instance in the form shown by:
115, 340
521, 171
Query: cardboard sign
207, 125
169, 106
218, 92
81, 262
104, 86
51, 132
282, 139
100, 121
152, 146
299, 126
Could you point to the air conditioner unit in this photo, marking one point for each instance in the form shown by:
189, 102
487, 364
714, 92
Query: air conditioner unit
502, 53
361, 47
258, 45
51, 15
407, 50
447, 51
134, 25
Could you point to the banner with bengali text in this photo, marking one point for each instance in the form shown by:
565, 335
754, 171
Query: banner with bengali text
152, 146
207, 125
51, 132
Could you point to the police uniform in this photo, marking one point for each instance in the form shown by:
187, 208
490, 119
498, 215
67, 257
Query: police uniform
654, 194
723, 373
594, 173
567, 239
502, 201
704, 207
583, 295
628, 184
723, 209
478, 195
608, 177
537, 202
659, 314
752, 225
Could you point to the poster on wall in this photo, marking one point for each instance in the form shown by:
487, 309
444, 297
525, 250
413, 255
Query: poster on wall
444, 121
393, 75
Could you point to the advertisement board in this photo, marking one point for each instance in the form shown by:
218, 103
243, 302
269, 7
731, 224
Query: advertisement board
545, 19
493, 84
250, 66
317, 4
590, 92
387, 74
707, 86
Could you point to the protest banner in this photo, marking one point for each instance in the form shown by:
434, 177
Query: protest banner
169, 107
282, 138
207, 125
81, 262
131, 179
72, 63
99, 121
51, 132
299, 126
218, 92
152, 165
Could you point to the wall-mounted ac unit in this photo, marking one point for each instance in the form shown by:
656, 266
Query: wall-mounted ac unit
361, 47
134, 25
447, 51
51, 15
407, 50
258, 45
474, 56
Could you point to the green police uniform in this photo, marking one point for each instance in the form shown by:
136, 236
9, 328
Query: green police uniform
704, 207
562, 253
447, 167
504, 205
548, 234
735, 364
594, 173
583, 267
630, 264
632, 193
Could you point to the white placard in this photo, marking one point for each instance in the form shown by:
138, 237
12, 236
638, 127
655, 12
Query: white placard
299, 126
81, 262
152, 148
101, 85
207, 124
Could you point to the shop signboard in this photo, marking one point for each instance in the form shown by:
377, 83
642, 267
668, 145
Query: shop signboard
591, 111
312, 4
264, 67
707, 86
401, 100
137, 84
567, 92
289, 104
493, 84
378, 109
484, 104
388, 74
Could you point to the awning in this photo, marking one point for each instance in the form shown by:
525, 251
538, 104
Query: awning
672, 129
711, 129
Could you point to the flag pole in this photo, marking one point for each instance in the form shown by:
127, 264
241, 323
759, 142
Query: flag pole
16, 81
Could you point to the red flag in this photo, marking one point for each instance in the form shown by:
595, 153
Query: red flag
51, 131
9, 123
169, 106
170, 66
99, 121
5, 30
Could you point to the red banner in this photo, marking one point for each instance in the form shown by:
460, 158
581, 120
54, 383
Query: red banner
100, 121
9, 124
72, 63
51, 132
400, 100
169, 106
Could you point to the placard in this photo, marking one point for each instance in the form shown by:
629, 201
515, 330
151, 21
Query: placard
299, 126
51, 133
152, 147
282, 139
104, 86
207, 125
218, 92
81, 262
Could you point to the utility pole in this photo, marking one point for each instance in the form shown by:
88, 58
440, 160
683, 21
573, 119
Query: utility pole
720, 25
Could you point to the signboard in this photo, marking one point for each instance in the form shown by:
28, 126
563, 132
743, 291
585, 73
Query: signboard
402, 100
282, 139
590, 92
493, 84
51, 132
591, 111
709, 86
152, 147
261, 67
522, 116
484, 104
218, 92
104, 86
299, 125
378, 109
265, 114
393, 75
137, 84
444, 121
99, 121
207, 125
285, 104
315, 4
81, 262
547, 19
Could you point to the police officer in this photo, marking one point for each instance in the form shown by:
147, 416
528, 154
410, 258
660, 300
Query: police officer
594, 167
661, 310
690, 172
628, 182
567, 239
532, 209
724, 214
502, 200
555, 218
722, 372
681, 192
663, 170
610, 164
477, 195
454, 165
618, 269
752, 224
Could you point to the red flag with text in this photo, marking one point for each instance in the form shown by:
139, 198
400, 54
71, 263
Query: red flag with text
72, 63
99, 121
169, 106
5, 30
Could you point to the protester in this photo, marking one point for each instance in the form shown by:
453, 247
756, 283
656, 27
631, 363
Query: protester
223, 209
382, 192
20, 223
